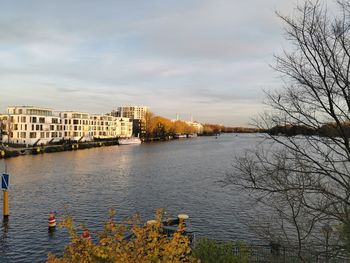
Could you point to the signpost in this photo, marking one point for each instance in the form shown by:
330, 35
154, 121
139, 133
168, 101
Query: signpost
5, 185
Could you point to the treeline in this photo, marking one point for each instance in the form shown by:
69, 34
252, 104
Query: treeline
212, 129
326, 130
158, 127
161, 128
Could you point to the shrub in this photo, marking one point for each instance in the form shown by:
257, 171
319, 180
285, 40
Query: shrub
147, 243
211, 251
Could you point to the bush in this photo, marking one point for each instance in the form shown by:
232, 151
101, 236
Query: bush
211, 251
147, 243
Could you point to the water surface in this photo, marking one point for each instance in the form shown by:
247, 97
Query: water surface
181, 176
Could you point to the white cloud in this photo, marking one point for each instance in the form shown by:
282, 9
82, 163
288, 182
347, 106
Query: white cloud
175, 56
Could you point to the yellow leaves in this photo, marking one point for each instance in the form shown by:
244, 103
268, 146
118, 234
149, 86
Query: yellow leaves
160, 127
147, 243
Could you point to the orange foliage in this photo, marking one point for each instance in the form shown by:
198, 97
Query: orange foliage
148, 244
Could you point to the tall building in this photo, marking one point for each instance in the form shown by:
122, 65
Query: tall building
137, 114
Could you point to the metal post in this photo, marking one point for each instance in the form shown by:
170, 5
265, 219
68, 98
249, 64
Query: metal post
6, 209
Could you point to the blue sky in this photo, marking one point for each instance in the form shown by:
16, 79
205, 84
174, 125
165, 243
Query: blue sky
208, 58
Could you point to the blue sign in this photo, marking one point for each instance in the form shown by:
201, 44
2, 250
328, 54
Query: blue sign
5, 181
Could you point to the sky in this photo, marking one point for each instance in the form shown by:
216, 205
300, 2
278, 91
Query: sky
208, 58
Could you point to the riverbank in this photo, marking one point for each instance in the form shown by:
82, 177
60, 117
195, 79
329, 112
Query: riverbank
11, 151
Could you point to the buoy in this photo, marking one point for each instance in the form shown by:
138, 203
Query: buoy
183, 216
100, 143
73, 146
52, 221
77, 146
86, 234
151, 222
38, 150
2, 153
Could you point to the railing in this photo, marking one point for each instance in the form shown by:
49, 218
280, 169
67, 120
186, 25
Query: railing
273, 254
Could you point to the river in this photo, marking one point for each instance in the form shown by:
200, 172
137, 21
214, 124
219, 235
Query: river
180, 176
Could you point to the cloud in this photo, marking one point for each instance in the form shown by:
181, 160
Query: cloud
67, 90
175, 56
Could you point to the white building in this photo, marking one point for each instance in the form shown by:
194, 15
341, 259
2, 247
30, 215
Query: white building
32, 125
131, 112
137, 114
196, 125
36, 125
75, 125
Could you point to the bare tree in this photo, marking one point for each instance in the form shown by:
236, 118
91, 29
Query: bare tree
306, 179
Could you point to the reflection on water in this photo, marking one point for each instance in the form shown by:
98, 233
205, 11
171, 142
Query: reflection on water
180, 176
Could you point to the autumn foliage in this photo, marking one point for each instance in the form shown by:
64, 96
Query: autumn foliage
160, 127
146, 243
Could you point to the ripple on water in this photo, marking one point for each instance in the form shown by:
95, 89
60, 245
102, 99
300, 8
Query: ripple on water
180, 176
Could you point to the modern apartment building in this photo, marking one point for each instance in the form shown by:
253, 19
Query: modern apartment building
32, 125
106, 126
75, 125
36, 125
136, 113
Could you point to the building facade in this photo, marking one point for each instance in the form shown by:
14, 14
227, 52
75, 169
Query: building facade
137, 114
30, 125
196, 125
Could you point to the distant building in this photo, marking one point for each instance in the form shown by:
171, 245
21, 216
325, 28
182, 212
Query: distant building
3, 126
196, 125
75, 125
136, 113
31, 125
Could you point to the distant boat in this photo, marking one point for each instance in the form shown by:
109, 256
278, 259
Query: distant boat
133, 140
179, 136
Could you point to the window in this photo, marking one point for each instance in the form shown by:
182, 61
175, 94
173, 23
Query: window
42, 135
24, 119
75, 122
15, 127
52, 127
32, 135
23, 135
55, 120
47, 135
37, 127
41, 120
20, 111
34, 120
